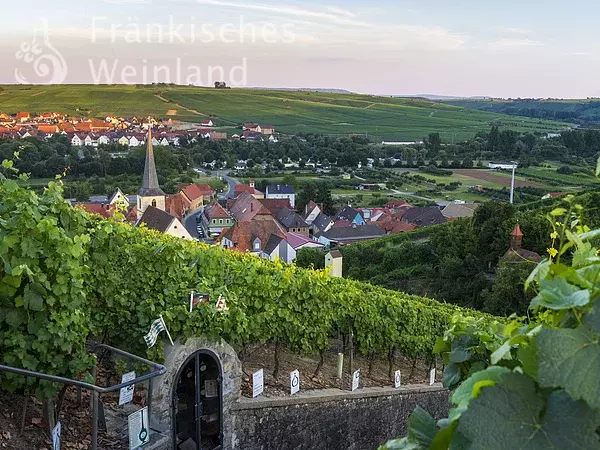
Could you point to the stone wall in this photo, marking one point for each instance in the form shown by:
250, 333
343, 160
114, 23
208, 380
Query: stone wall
332, 419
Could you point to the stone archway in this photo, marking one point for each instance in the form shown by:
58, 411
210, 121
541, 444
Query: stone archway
176, 358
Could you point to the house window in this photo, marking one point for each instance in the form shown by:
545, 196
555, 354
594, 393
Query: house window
154, 203
221, 221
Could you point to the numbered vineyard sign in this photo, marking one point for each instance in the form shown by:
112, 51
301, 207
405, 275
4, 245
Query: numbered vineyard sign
432, 377
126, 394
139, 429
295, 382
355, 380
397, 379
258, 383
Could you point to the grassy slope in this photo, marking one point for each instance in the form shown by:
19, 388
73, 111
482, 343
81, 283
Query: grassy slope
585, 110
384, 117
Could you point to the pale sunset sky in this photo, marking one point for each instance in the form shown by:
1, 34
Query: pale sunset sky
513, 48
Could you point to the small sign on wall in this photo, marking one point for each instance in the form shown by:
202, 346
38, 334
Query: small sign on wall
397, 379
295, 382
258, 383
355, 380
139, 431
126, 393
432, 377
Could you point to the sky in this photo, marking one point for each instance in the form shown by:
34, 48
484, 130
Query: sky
401, 47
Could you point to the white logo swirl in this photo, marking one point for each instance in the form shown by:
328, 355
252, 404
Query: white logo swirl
48, 64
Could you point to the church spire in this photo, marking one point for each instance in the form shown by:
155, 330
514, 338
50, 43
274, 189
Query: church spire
150, 186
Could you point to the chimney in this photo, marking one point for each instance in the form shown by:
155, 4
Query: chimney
252, 184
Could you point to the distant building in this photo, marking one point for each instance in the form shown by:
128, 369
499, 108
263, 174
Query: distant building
281, 191
348, 235
216, 219
250, 189
424, 217
156, 219
517, 252
351, 215
459, 210
150, 194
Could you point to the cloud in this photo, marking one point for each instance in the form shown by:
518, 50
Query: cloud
286, 10
507, 43
340, 11
509, 30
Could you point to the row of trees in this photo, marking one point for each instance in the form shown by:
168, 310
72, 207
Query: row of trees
44, 159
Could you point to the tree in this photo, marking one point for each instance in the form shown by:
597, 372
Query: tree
508, 295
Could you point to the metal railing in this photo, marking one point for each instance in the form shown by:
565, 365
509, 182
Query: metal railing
157, 369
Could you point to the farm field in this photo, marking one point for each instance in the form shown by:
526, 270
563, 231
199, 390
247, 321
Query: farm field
291, 112
497, 178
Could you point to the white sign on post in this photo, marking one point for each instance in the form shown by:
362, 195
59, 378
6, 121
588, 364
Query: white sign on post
139, 429
56, 437
126, 394
295, 382
355, 380
432, 377
397, 379
258, 383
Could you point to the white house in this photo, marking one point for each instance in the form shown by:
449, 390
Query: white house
281, 191
89, 142
134, 142
103, 140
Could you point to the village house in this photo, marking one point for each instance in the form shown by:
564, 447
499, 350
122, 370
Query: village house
159, 220
459, 210
198, 194
292, 222
349, 235
424, 217
281, 191
351, 215
215, 219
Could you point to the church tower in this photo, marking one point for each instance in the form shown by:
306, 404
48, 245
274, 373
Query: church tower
150, 194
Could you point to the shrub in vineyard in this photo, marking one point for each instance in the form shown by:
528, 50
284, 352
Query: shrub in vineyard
529, 383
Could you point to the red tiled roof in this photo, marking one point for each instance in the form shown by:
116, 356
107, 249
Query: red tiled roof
342, 223
243, 234
276, 204
245, 207
195, 191
105, 210
48, 128
246, 188
215, 211
395, 204
23, 115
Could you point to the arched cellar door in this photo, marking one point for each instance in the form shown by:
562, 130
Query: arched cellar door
198, 404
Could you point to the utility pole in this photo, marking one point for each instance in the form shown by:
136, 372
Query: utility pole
512, 186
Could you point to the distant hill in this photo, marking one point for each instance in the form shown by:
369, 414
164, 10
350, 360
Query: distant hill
435, 97
291, 111
582, 112
325, 90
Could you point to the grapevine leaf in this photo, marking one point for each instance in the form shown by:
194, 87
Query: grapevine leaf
451, 376
465, 392
570, 359
422, 427
592, 318
522, 418
444, 437
401, 444
33, 300
528, 355
558, 294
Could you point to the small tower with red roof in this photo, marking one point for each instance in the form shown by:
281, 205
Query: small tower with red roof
516, 238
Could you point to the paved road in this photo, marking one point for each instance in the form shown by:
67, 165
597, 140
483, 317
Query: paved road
231, 183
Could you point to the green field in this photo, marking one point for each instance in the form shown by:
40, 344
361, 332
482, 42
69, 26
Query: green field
291, 112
